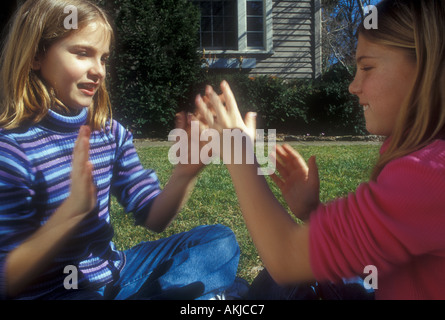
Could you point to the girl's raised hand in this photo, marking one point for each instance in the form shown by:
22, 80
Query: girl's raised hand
83, 190
221, 112
183, 121
299, 182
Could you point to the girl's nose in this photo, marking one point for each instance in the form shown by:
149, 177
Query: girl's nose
98, 70
354, 87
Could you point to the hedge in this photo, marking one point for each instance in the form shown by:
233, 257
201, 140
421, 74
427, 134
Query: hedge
303, 106
154, 63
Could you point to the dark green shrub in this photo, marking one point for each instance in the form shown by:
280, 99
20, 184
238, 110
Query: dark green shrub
279, 105
332, 109
155, 61
304, 106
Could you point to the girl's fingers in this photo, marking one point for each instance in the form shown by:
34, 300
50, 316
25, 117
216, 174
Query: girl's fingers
233, 111
229, 98
204, 111
90, 181
181, 120
216, 103
222, 98
81, 151
279, 165
297, 160
250, 121
314, 178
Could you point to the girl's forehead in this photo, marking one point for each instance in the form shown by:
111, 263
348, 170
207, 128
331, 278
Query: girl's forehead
94, 34
367, 48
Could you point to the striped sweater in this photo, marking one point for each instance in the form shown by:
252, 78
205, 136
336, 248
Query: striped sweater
35, 166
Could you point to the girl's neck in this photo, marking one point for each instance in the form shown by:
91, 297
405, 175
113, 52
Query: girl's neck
63, 110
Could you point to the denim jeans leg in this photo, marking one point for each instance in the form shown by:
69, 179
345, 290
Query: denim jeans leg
189, 265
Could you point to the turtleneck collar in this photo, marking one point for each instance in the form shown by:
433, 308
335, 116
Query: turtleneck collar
65, 124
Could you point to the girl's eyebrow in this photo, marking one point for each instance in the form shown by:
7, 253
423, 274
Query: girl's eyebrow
359, 59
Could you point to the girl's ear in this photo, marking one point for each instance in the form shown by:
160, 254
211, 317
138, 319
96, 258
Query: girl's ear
36, 63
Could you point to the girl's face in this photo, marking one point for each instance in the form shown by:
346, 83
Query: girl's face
384, 78
75, 66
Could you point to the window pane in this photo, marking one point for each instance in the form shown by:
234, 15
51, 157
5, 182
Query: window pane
217, 8
206, 24
219, 24
206, 40
231, 40
229, 24
206, 8
255, 39
254, 24
254, 8
218, 39
229, 8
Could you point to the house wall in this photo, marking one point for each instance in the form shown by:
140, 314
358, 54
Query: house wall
296, 35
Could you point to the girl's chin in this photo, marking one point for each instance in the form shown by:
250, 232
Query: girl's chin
80, 104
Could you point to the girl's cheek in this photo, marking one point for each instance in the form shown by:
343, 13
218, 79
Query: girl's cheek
76, 69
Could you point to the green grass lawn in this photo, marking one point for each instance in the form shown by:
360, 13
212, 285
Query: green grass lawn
341, 168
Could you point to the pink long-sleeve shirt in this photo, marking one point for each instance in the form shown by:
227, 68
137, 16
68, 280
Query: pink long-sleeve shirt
396, 224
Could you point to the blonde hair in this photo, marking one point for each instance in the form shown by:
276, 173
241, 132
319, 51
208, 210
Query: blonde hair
418, 27
25, 98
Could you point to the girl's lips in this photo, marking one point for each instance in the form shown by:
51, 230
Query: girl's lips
88, 89
365, 106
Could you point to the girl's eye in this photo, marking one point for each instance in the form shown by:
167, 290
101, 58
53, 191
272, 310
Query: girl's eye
366, 68
82, 54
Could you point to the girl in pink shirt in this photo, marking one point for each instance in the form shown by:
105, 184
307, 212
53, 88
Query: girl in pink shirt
394, 224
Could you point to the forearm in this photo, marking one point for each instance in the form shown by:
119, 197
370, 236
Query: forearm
169, 202
281, 242
26, 262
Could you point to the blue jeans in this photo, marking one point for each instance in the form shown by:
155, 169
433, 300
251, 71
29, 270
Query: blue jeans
197, 264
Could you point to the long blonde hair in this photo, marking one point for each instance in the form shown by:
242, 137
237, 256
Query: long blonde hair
25, 98
418, 27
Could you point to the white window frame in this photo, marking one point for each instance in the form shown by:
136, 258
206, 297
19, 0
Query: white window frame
242, 31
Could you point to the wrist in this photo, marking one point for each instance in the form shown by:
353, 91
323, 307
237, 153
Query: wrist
187, 171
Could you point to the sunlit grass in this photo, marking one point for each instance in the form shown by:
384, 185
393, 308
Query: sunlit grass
341, 169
